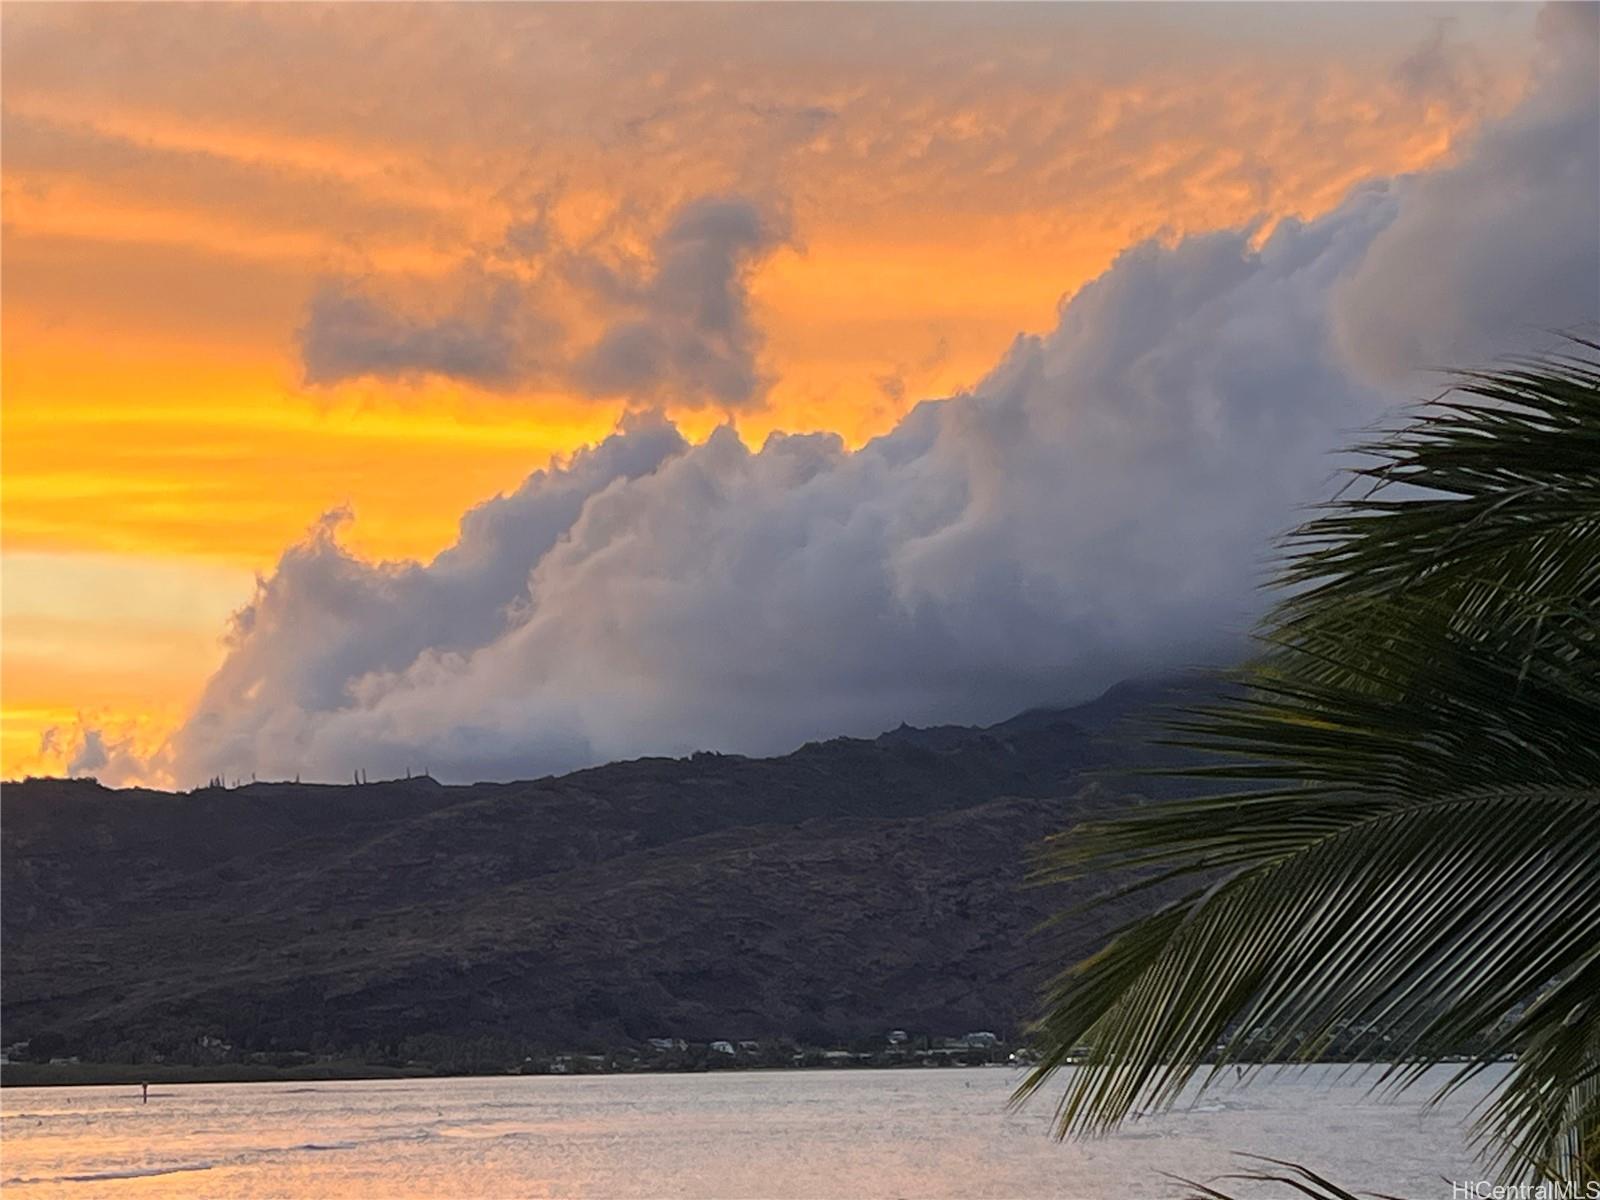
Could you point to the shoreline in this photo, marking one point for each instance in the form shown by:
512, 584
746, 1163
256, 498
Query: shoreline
42, 1075
27, 1075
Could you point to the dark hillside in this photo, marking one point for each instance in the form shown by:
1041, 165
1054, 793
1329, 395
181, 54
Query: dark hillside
828, 894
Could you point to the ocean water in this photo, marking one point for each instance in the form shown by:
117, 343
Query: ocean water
865, 1133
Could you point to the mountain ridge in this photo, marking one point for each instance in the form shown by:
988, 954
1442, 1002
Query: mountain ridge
850, 886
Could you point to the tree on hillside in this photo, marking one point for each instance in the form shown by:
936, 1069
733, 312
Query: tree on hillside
1409, 836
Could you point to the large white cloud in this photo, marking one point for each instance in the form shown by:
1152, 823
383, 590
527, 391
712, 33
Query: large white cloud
1102, 504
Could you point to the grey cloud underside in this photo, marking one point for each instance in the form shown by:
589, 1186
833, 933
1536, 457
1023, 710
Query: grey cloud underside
1102, 504
677, 329
1504, 245
91, 755
348, 334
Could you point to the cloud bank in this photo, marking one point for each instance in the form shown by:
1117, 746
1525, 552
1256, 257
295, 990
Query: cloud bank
1101, 504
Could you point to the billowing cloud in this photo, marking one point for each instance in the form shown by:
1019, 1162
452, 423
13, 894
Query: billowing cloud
1100, 504
1097, 506
342, 619
1504, 245
675, 329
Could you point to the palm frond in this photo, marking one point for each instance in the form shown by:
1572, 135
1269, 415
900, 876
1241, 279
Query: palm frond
1495, 512
1419, 752
1297, 1180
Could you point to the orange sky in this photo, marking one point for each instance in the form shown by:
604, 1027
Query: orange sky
177, 181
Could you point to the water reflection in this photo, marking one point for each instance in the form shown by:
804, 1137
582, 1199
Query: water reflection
918, 1133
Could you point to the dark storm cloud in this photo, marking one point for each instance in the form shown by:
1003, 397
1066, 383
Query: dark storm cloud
676, 328
690, 331
348, 334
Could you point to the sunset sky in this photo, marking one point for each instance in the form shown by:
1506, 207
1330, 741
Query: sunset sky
267, 264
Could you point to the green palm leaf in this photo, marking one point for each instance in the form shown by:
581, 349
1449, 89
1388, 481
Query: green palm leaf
1297, 1179
1416, 846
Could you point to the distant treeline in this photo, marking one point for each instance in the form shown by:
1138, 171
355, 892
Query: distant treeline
52, 1058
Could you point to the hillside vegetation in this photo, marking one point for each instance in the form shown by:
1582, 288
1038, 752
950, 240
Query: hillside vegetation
847, 888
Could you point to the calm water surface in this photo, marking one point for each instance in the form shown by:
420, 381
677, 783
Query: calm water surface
913, 1133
